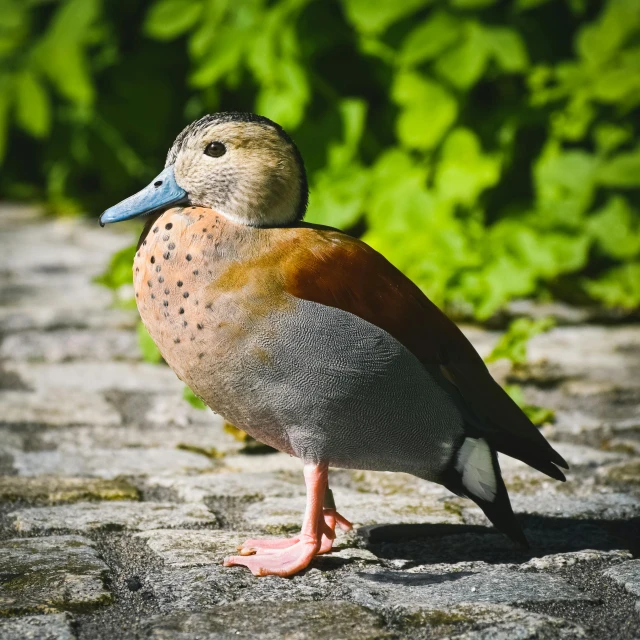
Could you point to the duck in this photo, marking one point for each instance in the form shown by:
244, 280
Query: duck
310, 340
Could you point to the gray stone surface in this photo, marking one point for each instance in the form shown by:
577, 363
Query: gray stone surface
415, 591
57, 409
179, 548
109, 463
626, 575
239, 486
92, 516
290, 620
71, 344
56, 626
96, 442
51, 574
56, 489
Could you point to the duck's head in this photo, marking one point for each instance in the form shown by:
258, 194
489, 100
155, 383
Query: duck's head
243, 166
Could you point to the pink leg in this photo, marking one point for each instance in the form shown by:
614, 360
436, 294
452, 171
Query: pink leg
295, 557
330, 518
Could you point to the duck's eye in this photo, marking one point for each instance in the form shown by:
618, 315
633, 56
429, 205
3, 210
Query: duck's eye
215, 149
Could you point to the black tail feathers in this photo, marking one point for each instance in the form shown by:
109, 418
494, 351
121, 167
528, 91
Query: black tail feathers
475, 474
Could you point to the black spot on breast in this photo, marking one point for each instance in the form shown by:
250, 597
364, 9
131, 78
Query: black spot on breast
136, 295
165, 237
166, 255
199, 326
209, 236
201, 355
179, 283
153, 296
155, 230
166, 303
160, 279
137, 269
176, 340
185, 294
153, 259
166, 291
181, 310
172, 246
149, 283
168, 226
144, 242
158, 268
195, 273
189, 257
184, 323
209, 305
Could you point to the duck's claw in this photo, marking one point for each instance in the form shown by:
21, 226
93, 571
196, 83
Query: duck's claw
277, 562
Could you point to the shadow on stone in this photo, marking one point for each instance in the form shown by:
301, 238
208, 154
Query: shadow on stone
459, 542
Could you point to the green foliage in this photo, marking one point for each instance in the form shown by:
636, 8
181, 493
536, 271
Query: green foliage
150, 353
489, 149
513, 343
512, 346
537, 415
193, 399
119, 271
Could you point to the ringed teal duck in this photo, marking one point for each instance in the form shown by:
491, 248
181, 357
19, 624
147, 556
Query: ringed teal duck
308, 339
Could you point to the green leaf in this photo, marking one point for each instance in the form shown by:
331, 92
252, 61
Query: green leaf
33, 111
194, 401
62, 56
430, 38
375, 16
120, 270
471, 4
565, 186
608, 137
339, 190
616, 229
622, 171
513, 343
428, 110
619, 287
463, 65
6, 95
463, 171
284, 100
150, 353
508, 49
168, 19
537, 415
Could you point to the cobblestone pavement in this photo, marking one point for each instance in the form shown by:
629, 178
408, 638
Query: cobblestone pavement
118, 500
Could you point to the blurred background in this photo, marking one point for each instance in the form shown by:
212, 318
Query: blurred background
489, 148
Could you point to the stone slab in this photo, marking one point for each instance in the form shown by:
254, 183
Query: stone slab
70, 344
627, 575
109, 463
57, 573
56, 489
271, 621
58, 408
192, 548
423, 590
239, 486
55, 626
280, 515
96, 376
91, 516
497, 622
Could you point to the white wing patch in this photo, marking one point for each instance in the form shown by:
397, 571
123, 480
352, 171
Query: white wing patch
475, 466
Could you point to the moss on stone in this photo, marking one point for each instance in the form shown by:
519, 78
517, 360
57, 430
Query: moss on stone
54, 489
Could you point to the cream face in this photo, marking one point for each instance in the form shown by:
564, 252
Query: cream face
258, 181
